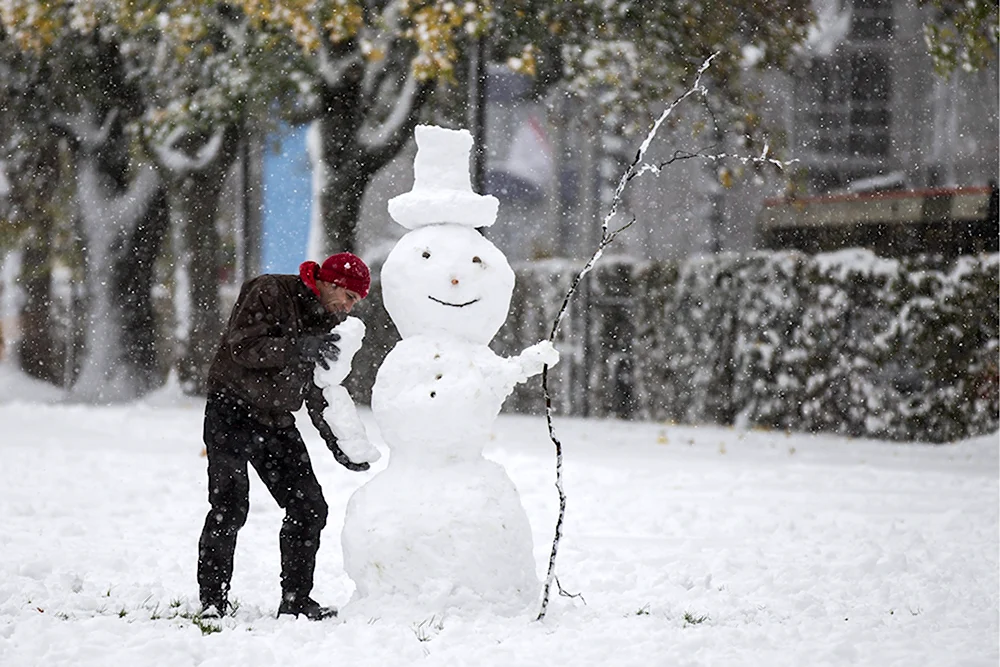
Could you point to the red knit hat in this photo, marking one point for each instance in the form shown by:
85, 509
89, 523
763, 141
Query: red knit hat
343, 269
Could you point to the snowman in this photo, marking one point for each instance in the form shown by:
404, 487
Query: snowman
442, 529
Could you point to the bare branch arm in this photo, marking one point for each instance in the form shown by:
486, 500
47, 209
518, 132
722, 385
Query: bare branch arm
608, 235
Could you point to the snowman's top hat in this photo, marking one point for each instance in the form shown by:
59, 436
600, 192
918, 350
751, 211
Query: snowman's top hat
442, 188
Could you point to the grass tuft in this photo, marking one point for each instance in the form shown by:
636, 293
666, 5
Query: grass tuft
206, 626
691, 619
427, 629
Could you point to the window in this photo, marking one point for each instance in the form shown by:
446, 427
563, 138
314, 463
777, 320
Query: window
842, 101
871, 20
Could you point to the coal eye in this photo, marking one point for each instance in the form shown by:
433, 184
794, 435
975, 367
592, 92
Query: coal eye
426, 255
476, 260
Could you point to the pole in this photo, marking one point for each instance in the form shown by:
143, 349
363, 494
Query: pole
477, 112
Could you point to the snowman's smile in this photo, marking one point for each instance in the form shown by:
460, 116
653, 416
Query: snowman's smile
453, 305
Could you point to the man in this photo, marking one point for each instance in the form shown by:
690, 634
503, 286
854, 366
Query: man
278, 331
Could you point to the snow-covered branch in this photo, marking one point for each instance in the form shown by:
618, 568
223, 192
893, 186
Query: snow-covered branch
106, 213
764, 158
377, 45
396, 128
334, 70
638, 167
105, 210
83, 128
4, 182
177, 161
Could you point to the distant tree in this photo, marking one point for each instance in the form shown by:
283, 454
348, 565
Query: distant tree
962, 34
195, 64
642, 53
85, 93
367, 70
30, 157
158, 90
364, 70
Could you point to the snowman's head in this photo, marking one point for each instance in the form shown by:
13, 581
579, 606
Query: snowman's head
447, 278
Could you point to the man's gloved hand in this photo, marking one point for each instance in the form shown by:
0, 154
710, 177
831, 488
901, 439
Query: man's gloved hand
346, 462
320, 349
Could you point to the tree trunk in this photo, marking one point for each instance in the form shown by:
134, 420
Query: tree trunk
132, 285
201, 249
124, 217
251, 202
200, 194
349, 159
37, 353
345, 175
340, 202
36, 348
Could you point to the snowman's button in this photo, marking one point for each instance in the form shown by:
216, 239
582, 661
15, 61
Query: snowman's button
433, 394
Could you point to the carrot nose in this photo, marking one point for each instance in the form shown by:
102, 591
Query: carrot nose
454, 281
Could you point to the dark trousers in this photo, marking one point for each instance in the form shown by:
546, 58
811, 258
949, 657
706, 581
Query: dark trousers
233, 438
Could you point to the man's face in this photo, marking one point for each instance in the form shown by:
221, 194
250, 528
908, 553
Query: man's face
336, 299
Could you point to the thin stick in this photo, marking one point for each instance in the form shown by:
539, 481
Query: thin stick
637, 168
608, 235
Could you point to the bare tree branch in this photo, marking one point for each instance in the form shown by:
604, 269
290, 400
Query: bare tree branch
637, 168
608, 235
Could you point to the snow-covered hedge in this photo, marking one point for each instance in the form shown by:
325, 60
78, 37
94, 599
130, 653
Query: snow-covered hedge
842, 342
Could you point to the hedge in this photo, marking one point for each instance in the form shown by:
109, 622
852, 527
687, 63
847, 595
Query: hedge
843, 342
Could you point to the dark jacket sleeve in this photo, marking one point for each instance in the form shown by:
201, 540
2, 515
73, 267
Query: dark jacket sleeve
315, 405
261, 332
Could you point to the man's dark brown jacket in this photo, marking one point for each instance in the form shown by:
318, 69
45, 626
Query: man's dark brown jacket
258, 357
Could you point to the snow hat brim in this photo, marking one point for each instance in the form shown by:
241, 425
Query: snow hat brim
429, 207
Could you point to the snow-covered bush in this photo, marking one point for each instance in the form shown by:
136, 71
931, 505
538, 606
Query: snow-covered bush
657, 387
609, 348
843, 342
946, 333
768, 383
848, 300
538, 294
701, 327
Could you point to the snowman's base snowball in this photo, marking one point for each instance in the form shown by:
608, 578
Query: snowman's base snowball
438, 604
442, 539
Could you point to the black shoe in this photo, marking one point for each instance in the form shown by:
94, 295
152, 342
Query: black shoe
307, 607
214, 608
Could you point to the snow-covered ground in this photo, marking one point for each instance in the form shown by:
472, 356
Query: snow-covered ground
690, 546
